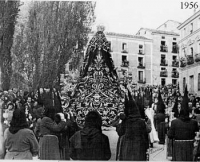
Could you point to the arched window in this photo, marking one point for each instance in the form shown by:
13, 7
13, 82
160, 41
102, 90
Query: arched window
191, 51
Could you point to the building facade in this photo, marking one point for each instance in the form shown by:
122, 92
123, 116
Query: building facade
165, 53
132, 56
189, 45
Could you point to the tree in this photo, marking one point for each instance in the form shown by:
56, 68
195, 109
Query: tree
8, 15
52, 31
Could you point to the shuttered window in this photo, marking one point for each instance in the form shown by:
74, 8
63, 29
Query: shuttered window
199, 82
183, 84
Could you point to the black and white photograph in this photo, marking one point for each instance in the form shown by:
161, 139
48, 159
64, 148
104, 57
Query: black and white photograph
115, 80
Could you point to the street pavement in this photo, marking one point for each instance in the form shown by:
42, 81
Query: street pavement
157, 153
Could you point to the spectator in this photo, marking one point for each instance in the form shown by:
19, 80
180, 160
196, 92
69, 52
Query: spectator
90, 143
20, 142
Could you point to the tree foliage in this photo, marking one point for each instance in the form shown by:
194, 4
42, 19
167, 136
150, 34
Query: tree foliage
46, 41
8, 15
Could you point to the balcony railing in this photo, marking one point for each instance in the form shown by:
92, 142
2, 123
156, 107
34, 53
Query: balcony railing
197, 57
143, 81
141, 52
125, 64
124, 51
183, 62
141, 66
175, 64
175, 75
163, 48
163, 74
174, 49
163, 63
190, 60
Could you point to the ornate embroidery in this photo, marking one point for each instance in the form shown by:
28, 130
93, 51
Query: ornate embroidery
98, 87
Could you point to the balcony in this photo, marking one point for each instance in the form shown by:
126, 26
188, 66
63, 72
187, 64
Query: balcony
190, 60
141, 52
174, 49
175, 75
163, 63
183, 62
197, 57
163, 74
163, 48
125, 64
124, 51
175, 64
142, 81
141, 66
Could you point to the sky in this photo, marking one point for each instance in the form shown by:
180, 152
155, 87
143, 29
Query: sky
128, 16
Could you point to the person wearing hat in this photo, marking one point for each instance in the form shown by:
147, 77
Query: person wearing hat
20, 142
160, 119
90, 143
134, 143
182, 132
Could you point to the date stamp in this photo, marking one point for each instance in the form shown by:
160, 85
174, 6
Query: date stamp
189, 5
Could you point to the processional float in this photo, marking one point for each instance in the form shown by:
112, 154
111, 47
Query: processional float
98, 87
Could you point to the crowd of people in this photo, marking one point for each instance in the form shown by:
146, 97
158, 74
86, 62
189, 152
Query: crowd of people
34, 124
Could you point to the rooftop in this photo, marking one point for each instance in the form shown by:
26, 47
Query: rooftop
189, 19
123, 35
168, 21
126, 35
160, 31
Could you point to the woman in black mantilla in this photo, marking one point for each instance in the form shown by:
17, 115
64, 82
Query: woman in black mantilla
182, 131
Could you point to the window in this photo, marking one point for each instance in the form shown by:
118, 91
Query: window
174, 44
184, 82
140, 61
163, 59
199, 82
174, 81
140, 46
174, 38
174, 58
140, 49
165, 25
163, 69
124, 58
163, 43
163, 81
124, 46
191, 27
163, 37
191, 51
140, 75
174, 69
191, 83
174, 47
